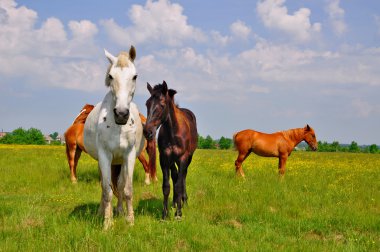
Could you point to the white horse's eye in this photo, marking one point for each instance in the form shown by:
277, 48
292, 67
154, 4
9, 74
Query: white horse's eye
135, 77
110, 76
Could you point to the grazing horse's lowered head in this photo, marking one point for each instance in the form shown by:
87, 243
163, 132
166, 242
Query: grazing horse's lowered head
121, 78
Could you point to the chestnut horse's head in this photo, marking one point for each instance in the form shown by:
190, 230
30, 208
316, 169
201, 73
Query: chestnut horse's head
121, 78
310, 138
158, 108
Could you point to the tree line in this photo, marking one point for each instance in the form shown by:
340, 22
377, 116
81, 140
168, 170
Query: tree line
35, 136
227, 143
30, 136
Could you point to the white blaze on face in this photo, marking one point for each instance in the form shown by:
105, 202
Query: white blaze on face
122, 80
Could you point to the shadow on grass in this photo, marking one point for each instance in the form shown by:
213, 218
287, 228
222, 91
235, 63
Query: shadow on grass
151, 207
87, 213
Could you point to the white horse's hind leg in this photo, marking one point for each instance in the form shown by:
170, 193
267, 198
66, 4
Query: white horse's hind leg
105, 203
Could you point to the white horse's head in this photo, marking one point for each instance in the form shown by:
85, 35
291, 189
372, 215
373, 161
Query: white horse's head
121, 78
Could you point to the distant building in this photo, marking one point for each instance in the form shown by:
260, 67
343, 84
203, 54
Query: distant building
48, 139
3, 134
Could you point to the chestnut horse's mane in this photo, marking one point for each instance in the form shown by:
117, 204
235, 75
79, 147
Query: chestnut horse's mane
81, 118
293, 133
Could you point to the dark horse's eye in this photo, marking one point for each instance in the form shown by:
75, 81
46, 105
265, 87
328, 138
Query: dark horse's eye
110, 76
135, 77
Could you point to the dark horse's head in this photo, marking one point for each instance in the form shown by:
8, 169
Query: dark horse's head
158, 108
309, 137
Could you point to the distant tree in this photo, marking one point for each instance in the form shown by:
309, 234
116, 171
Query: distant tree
22, 136
225, 143
373, 148
206, 143
54, 135
354, 147
335, 146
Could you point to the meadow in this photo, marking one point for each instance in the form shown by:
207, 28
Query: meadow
325, 202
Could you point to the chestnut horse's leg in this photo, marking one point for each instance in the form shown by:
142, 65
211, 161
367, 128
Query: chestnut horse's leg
144, 163
164, 162
281, 164
78, 153
70, 153
240, 159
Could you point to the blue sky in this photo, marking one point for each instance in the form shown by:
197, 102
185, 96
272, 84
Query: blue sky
267, 65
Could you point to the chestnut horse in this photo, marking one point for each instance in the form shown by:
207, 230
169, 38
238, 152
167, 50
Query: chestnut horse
74, 147
279, 144
177, 141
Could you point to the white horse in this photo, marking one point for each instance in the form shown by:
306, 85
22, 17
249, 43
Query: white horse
113, 135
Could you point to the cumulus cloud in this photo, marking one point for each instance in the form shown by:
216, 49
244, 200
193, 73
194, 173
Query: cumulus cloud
240, 29
47, 55
275, 15
158, 22
336, 15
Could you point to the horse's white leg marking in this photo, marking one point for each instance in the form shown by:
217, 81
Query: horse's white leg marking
128, 189
105, 204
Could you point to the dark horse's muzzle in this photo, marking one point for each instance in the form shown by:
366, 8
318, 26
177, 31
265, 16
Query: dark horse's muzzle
121, 117
149, 133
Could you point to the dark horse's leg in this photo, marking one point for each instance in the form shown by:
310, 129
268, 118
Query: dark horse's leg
164, 162
180, 185
184, 196
174, 174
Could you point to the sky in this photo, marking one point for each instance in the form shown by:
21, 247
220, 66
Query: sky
267, 65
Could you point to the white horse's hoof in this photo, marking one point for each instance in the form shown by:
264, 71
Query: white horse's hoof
131, 220
107, 224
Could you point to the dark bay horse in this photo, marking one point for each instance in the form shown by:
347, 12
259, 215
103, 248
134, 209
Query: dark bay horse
279, 144
177, 141
74, 148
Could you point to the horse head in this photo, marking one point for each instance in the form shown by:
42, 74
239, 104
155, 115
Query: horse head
121, 78
158, 107
309, 137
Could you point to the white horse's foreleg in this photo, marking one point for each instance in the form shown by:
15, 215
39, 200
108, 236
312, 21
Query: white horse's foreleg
105, 203
128, 185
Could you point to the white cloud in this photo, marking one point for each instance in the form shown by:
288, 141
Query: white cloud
46, 55
157, 22
364, 109
275, 15
240, 29
377, 22
336, 15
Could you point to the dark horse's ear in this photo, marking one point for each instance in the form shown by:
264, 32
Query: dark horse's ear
172, 92
132, 53
164, 88
307, 127
149, 87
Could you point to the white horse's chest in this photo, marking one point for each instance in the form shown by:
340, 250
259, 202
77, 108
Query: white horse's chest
115, 138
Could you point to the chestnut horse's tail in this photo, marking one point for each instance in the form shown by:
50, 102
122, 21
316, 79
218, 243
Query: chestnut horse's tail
234, 139
151, 149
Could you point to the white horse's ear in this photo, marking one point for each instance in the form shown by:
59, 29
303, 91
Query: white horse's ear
112, 59
132, 53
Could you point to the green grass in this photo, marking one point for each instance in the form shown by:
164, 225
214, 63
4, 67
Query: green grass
326, 202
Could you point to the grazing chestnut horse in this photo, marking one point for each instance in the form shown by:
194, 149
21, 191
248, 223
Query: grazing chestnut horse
74, 146
279, 144
177, 141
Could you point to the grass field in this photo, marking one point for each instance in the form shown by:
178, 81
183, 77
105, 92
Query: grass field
326, 202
